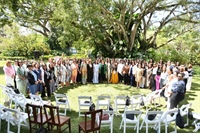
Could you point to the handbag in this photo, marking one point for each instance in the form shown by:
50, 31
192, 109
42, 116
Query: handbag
142, 102
127, 100
130, 116
179, 120
151, 117
111, 108
162, 93
92, 107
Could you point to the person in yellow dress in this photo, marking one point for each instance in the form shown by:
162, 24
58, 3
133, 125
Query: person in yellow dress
114, 76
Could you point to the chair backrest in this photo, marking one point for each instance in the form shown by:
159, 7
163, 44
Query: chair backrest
61, 98
51, 112
36, 100
103, 97
12, 115
185, 108
137, 114
103, 100
94, 117
33, 111
136, 100
120, 97
172, 113
157, 114
85, 99
2, 113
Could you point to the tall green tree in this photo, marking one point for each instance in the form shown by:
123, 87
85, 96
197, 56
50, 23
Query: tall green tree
14, 43
116, 28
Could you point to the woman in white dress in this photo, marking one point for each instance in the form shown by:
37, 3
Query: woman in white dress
96, 72
108, 74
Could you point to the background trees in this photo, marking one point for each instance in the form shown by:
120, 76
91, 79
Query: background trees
114, 28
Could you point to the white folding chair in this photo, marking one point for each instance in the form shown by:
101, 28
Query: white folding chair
37, 100
107, 119
21, 101
62, 100
156, 95
133, 122
155, 123
84, 104
10, 93
151, 97
15, 117
135, 101
168, 117
103, 101
119, 104
3, 94
184, 111
196, 116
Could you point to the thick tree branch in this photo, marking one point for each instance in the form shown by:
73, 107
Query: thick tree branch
174, 38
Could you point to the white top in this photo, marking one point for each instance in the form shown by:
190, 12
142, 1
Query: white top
120, 67
155, 70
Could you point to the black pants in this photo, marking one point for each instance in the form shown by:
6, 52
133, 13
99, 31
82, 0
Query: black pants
120, 78
175, 99
47, 85
132, 80
153, 83
126, 79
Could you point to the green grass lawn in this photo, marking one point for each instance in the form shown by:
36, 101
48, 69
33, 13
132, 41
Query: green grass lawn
192, 96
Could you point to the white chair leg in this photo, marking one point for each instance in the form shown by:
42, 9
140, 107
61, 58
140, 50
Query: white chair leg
65, 110
138, 126
19, 127
8, 126
147, 127
187, 123
159, 128
141, 125
111, 128
121, 124
124, 127
0, 124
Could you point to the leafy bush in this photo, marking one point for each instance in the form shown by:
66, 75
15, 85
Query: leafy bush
12, 58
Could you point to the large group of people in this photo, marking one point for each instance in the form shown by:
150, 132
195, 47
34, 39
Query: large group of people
45, 77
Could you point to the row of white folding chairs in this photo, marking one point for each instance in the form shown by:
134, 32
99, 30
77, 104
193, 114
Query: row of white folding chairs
165, 117
161, 117
20, 100
104, 101
14, 117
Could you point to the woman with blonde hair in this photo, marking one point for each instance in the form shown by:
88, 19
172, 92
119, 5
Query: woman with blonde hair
9, 73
